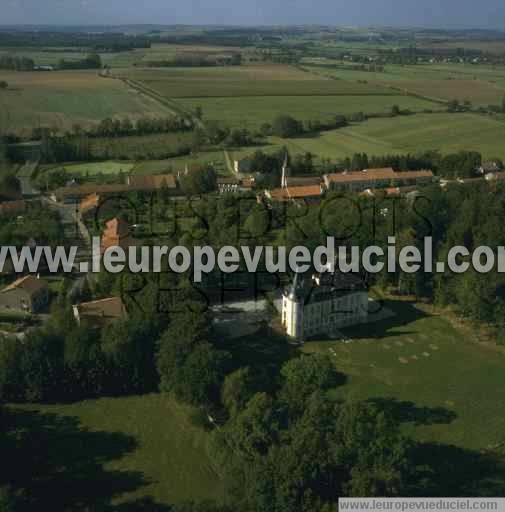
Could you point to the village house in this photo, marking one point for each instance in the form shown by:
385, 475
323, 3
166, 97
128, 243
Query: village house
234, 185
491, 166
27, 294
100, 313
117, 234
89, 204
321, 303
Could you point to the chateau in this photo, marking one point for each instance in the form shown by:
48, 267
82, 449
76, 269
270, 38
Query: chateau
320, 303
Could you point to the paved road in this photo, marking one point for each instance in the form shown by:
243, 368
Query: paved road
25, 175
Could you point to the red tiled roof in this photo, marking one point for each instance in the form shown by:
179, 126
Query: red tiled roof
89, 202
117, 234
281, 194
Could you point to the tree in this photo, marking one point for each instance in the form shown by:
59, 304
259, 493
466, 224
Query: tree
11, 376
130, 346
3, 84
253, 431
187, 329
305, 375
286, 126
201, 376
503, 105
371, 448
237, 390
42, 366
199, 180
395, 110
453, 106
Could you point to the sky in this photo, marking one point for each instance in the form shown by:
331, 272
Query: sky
417, 13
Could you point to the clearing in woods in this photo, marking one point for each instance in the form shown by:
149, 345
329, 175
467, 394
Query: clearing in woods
127, 449
446, 386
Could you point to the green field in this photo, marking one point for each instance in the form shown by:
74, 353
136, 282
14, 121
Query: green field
116, 449
482, 85
251, 112
60, 99
445, 132
94, 168
450, 386
239, 81
173, 165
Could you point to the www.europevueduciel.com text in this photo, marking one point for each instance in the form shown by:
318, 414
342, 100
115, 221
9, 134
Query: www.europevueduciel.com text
203, 259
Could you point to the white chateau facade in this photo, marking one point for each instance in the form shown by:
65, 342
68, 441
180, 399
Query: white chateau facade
318, 304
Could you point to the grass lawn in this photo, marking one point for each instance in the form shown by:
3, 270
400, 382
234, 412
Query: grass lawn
62, 98
445, 132
122, 449
446, 386
173, 165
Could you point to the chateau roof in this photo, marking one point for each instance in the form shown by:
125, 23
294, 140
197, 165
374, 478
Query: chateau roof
312, 287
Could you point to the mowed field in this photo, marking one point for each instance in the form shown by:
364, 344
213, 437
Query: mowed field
445, 132
438, 379
125, 448
240, 81
60, 99
482, 85
252, 111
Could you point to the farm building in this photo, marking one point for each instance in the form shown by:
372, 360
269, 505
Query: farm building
99, 313
77, 193
25, 295
358, 181
322, 303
